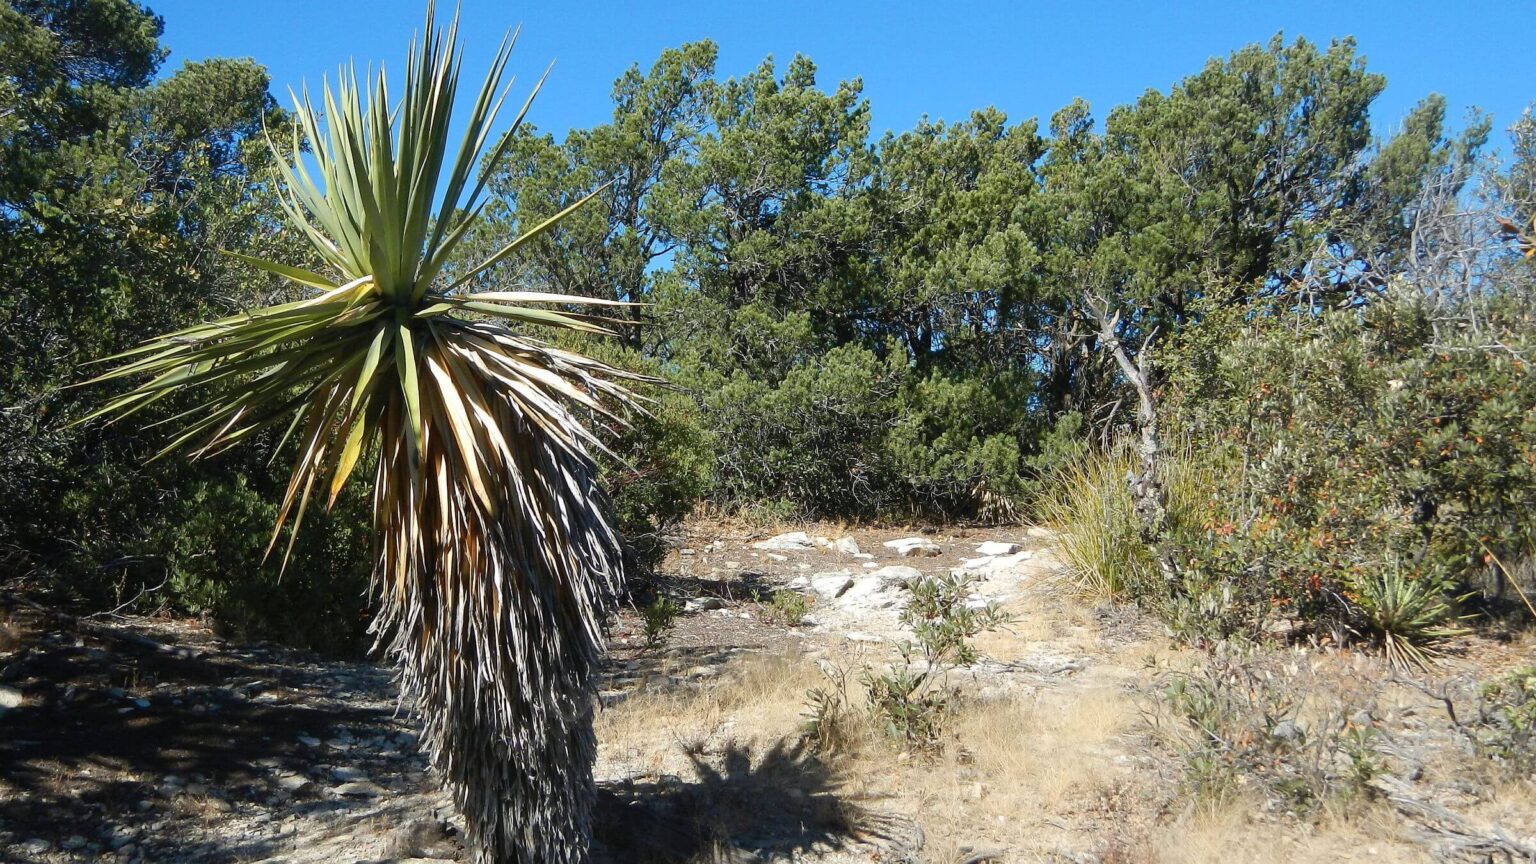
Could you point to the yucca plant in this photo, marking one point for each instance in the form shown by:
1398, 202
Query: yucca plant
1406, 616
496, 562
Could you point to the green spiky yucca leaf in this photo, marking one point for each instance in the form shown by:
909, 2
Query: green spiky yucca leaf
496, 562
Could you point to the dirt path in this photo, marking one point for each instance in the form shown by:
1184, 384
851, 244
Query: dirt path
140, 741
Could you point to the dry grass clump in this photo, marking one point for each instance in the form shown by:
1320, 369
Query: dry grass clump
1090, 507
1042, 751
1230, 834
1019, 773
753, 699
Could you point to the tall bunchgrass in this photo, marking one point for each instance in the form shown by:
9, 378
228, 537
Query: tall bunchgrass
1088, 502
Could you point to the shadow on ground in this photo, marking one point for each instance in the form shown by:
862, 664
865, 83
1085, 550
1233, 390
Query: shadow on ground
740, 807
121, 736
197, 751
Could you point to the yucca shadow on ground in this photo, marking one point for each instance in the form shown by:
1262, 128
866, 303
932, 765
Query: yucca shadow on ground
126, 736
740, 807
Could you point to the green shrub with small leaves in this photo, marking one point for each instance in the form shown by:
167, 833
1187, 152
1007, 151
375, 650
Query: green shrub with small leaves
910, 700
787, 607
1364, 467
216, 566
658, 618
1504, 729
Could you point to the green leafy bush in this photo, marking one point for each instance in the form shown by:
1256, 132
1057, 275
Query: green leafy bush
1362, 465
910, 700
788, 607
658, 618
213, 552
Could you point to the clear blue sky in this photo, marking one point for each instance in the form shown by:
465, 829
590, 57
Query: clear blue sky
915, 58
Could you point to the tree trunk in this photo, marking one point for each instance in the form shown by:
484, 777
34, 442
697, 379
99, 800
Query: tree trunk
1148, 493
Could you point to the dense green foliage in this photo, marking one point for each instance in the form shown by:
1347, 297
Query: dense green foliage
896, 326
116, 192
857, 326
1357, 473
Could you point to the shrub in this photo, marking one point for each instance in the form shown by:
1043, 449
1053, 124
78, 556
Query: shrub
214, 544
956, 445
1333, 442
659, 616
831, 720
815, 438
788, 607
910, 700
1250, 718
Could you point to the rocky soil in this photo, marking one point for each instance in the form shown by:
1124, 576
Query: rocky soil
132, 740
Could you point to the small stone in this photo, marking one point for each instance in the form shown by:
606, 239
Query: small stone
862, 589
358, 789
898, 574
976, 563
790, 541
73, 842
1286, 730
36, 847
420, 840
309, 741
994, 548
846, 545
860, 636
702, 604
687, 552
348, 772
774, 556
10, 697
701, 672
1007, 562
831, 584
912, 547
296, 784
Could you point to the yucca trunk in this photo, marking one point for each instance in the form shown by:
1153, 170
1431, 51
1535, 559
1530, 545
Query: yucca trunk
494, 615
